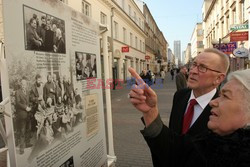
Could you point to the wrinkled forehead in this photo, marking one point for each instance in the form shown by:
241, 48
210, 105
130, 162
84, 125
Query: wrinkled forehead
208, 59
234, 87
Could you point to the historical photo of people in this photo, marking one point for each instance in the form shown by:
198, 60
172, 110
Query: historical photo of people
68, 163
85, 66
43, 32
47, 107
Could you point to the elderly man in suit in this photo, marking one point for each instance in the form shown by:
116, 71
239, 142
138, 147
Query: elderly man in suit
190, 111
23, 109
34, 42
206, 73
227, 142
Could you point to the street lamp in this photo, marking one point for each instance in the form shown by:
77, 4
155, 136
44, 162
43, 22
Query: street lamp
220, 41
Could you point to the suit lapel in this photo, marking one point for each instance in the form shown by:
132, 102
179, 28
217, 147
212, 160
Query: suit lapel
201, 123
182, 109
24, 96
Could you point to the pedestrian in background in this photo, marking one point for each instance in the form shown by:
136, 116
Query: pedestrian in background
162, 75
180, 78
172, 73
146, 77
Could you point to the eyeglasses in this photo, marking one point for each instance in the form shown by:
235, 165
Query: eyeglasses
202, 68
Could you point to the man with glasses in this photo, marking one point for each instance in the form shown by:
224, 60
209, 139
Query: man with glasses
190, 110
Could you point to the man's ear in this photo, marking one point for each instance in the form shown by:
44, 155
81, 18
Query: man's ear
220, 78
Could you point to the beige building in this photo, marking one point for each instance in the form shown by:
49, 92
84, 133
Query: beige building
125, 23
188, 57
135, 40
197, 40
219, 16
156, 44
170, 59
128, 31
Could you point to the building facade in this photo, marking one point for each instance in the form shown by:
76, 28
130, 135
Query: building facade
151, 48
197, 40
171, 59
125, 24
156, 44
188, 57
219, 16
177, 51
134, 38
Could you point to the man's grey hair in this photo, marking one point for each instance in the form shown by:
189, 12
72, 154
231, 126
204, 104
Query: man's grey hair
224, 63
243, 77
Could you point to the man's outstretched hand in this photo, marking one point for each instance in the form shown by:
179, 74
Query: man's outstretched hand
143, 98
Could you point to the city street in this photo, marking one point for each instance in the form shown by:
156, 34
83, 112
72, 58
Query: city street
131, 149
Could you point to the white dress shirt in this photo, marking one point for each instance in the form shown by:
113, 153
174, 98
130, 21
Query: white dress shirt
202, 103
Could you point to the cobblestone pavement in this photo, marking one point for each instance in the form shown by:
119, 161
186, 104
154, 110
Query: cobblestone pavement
130, 148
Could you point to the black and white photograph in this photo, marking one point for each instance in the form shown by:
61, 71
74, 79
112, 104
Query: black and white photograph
85, 66
46, 108
43, 32
48, 121
68, 163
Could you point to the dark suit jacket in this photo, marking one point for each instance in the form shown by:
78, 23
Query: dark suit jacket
209, 150
22, 102
34, 95
178, 109
181, 81
171, 150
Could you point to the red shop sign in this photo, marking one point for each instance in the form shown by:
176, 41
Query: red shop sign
125, 49
239, 36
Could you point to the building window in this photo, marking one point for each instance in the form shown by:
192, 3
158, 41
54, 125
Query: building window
86, 8
199, 44
140, 45
140, 22
124, 35
234, 16
243, 10
129, 10
123, 4
135, 17
199, 32
103, 18
116, 30
227, 24
146, 18
142, 26
131, 39
136, 43
222, 29
143, 46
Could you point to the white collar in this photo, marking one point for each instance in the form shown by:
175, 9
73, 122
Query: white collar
203, 100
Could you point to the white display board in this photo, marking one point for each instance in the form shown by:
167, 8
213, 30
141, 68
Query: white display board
51, 51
